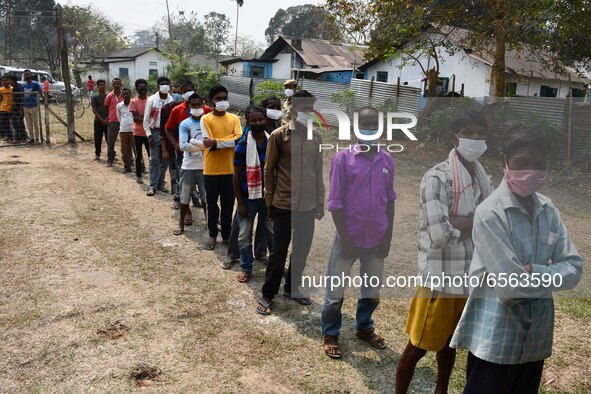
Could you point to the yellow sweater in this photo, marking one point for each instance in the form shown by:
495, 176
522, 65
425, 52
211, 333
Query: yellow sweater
226, 130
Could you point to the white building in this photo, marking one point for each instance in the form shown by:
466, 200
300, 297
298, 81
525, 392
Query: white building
129, 64
471, 70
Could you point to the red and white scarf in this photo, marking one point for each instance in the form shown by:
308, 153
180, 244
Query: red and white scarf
254, 178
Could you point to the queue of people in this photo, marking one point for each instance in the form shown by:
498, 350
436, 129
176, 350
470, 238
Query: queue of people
19, 109
269, 175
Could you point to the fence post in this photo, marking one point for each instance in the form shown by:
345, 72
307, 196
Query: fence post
251, 90
46, 105
570, 117
369, 96
39, 119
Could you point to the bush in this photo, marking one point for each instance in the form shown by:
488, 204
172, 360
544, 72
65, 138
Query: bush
266, 89
204, 77
345, 100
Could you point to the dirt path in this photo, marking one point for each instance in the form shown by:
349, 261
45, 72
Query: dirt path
95, 290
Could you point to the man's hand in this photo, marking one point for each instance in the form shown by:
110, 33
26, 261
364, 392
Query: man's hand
270, 213
528, 268
151, 141
242, 211
383, 249
104, 122
208, 143
319, 212
348, 248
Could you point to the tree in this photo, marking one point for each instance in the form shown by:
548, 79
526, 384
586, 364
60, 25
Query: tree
144, 38
495, 26
247, 48
304, 21
90, 35
189, 35
353, 18
239, 3
217, 27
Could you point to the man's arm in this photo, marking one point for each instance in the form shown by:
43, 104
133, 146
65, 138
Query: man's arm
271, 162
436, 209
184, 143
147, 113
118, 111
320, 190
230, 141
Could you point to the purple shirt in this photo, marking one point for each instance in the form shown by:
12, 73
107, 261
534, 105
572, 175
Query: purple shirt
362, 188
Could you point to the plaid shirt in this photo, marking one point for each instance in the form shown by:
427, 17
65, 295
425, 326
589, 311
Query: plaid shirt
514, 325
439, 249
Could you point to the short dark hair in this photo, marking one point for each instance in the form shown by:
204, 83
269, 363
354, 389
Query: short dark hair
90, 77
519, 135
125, 88
101, 81
12, 77
187, 83
465, 118
176, 85
163, 79
27, 70
141, 80
116, 79
215, 90
252, 109
195, 96
265, 103
302, 93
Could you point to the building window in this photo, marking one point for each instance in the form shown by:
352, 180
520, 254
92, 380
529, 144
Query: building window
511, 89
382, 76
578, 92
153, 64
153, 72
257, 72
359, 76
547, 91
123, 72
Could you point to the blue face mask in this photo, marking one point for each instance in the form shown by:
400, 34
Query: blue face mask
369, 133
177, 98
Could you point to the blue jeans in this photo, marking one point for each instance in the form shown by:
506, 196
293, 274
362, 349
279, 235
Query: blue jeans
157, 170
254, 208
369, 298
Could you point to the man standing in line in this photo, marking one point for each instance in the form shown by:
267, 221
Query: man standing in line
152, 116
16, 118
101, 116
290, 86
31, 106
125, 118
113, 98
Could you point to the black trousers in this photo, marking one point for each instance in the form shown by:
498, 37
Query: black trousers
18, 125
219, 187
5, 124
139, 156
260, 241
483, 377
284, 223
100, 130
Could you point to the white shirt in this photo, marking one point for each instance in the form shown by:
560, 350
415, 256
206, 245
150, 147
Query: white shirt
125, 118
154, 104
191, 143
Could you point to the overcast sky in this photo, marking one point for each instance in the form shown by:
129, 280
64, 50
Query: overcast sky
142, 14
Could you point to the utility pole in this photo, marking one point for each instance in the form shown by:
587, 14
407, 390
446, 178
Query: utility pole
171, 38
63, 51
236, 35
6, 28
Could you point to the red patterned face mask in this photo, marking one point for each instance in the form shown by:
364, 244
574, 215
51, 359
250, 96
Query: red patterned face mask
525, 182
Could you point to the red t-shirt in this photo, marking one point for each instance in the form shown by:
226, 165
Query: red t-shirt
180, 113
138, 105
90, 85
111, 102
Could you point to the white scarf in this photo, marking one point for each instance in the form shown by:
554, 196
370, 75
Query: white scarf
464, 201
254, 179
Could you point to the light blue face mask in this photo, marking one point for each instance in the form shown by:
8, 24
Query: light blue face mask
177, 98
372, 141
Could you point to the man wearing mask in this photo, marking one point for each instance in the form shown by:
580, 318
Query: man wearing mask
361, 201
152, 117
31, 105
290, 88
168, 153
449, 194
113, 98
294, 194
221, 130
518, 235
137, 108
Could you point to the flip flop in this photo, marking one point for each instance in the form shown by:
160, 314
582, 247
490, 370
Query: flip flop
244, 277
188, 221
300, 300
178, 231
209, 246
264, 309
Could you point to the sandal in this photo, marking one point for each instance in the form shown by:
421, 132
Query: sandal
264, 309
300, 300
331, 347
179, 231
244, 277
372, 338
210, 245
228, 264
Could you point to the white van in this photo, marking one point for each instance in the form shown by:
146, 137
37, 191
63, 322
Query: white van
39, 76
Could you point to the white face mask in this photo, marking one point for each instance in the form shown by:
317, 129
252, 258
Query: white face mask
303, 118
289, 92
274, 114
222, 106
187, 95
196, 112
470, 149
164, 89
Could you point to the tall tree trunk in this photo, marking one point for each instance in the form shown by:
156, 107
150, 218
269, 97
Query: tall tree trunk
498, 69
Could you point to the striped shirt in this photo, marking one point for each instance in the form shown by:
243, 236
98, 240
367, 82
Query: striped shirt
510, 324
440, 251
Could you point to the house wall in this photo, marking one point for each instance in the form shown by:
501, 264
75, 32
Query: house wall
234, 69
268, 67
282, 68
97, 72
531, 87
140, 68
337, 76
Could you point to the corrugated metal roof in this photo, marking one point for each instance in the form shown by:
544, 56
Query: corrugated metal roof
127, 53
320, 53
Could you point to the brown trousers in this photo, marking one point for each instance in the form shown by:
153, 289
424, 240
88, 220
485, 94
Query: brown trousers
127, 147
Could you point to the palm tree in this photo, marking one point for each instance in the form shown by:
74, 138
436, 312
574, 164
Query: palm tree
239, 3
